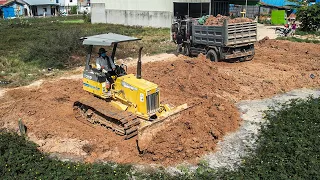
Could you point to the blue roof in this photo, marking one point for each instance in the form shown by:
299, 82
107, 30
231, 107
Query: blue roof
278, 3
42, 2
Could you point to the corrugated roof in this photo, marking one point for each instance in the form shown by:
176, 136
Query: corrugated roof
107, 39
278, 3
43, 2
10, 2
2, 2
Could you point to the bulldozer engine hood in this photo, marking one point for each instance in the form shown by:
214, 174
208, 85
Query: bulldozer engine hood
131, 82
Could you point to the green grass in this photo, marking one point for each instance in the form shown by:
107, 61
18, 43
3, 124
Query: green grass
38, 43
73, 21
288, 147
19, 159
303, 33
294, 39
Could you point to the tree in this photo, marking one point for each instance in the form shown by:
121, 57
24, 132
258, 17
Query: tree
309, 16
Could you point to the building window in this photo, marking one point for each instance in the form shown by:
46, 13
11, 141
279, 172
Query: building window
45, 9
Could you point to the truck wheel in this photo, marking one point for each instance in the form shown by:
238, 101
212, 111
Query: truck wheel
212, 55
186, 51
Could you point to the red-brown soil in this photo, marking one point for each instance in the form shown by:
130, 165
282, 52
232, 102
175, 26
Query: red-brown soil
278, 66
218, 20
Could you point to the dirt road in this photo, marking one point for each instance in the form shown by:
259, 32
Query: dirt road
278, 66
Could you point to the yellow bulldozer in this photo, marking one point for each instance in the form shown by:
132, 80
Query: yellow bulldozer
133, 104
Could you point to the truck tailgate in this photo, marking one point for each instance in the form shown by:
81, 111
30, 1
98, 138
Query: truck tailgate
241, 33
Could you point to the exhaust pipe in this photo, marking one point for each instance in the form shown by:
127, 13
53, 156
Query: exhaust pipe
139, 64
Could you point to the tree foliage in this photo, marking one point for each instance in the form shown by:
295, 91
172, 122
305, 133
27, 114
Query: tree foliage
309, 16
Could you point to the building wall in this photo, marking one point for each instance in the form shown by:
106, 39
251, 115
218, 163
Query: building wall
140, 18
98, 14
252, 10
68, 3
41, 10
18, 9
14, 10
155, 13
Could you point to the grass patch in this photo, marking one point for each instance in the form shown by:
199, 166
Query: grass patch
294, 39
74, 21
53, 42
288, 148
19, 159
303, 33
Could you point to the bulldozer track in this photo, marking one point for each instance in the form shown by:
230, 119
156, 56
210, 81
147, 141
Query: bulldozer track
122, 123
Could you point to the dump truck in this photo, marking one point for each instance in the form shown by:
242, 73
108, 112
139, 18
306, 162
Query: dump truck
230, 41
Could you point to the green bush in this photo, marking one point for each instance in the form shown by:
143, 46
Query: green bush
74, 10
309, 16
19, 159
55, 50
87, 17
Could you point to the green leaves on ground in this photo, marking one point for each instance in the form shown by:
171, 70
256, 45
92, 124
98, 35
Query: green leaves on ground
19, 159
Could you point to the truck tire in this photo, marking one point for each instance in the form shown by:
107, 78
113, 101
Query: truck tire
212, 55
186, 50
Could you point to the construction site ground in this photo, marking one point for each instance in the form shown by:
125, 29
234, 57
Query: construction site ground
46, 108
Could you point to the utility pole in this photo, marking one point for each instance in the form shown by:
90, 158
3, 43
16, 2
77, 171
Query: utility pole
246, 8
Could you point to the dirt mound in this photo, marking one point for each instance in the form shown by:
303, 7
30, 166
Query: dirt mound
219, 19
47, 111
197, 130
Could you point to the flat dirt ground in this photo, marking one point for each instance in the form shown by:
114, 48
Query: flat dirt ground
279, 66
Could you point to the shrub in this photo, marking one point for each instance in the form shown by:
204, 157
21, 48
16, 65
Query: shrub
20, 159
87, 17
309, 16
55, 50
74, 10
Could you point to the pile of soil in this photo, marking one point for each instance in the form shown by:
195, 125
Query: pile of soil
219, 19
213, 88
197, 130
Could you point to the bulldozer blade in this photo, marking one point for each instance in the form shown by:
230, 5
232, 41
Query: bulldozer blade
148, 131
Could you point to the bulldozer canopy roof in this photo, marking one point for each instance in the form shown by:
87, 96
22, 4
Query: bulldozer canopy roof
107, 39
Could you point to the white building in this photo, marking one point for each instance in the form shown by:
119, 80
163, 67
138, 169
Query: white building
82, 5
155, 13
43, 7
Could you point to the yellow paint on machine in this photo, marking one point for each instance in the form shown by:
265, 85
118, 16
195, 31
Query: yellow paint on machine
94, 87
129, 93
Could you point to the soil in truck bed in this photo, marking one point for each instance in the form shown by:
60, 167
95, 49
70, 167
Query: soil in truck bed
219, 19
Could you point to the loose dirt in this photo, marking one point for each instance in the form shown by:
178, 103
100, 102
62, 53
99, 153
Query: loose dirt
219, 19
46, 110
